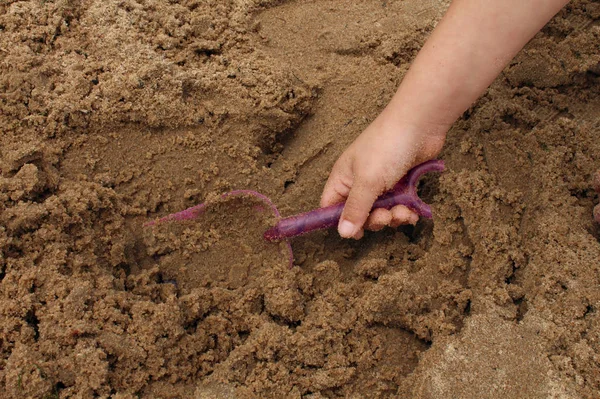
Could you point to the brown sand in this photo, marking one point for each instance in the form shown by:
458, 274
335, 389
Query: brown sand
114, 112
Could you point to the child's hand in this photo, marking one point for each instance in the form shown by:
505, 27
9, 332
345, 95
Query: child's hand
373, 164
463, 55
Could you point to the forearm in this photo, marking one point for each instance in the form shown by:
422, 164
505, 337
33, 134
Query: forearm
470, 46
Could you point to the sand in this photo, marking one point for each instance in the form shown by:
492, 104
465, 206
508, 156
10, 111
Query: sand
116, 112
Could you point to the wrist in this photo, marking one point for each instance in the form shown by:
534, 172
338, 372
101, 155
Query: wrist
413, 121
418, 140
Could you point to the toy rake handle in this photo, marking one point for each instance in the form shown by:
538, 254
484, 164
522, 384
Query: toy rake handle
403, 193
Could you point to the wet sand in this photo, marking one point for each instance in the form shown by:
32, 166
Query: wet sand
114, 113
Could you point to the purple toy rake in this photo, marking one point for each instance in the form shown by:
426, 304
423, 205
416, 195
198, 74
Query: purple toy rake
403, 193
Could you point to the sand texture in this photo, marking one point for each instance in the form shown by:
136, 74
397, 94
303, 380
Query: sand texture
116, 112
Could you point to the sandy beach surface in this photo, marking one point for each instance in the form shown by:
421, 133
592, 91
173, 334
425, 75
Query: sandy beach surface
117, 112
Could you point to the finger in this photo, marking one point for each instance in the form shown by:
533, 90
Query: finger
338, 185
359, 235
334, 193
403, 215
378, 219
360, 200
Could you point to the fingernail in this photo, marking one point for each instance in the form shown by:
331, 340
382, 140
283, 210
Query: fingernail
346, 229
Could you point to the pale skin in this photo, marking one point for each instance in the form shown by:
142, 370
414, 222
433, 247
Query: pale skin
471, 45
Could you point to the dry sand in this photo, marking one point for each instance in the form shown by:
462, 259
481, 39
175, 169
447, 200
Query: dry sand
115, 112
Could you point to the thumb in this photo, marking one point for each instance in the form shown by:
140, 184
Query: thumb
339, 182
360, 200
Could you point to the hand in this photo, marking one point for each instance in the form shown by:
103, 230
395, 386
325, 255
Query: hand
373, 164
464, 54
